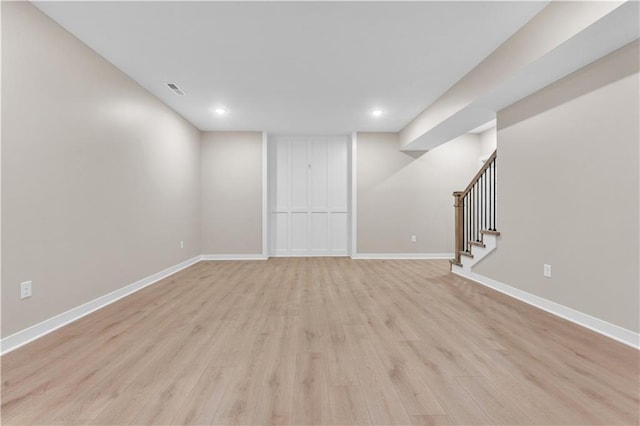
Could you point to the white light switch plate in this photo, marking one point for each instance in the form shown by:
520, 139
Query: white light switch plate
547, 270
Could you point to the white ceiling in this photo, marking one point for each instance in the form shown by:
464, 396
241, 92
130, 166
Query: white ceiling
295, 67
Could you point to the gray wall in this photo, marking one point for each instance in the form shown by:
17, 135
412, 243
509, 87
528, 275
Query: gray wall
404, 194
568, 191
100, 180
231, 192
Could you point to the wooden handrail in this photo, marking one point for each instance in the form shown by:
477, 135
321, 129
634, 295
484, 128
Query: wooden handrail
483, 169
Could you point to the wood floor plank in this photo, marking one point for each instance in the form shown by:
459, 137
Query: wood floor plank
201, 404
499, 407
431, 420
275, 405
311, 392
457, 403
416, 396
383, 401
321, 341
348, 406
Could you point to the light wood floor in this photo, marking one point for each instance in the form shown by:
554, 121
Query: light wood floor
320, 341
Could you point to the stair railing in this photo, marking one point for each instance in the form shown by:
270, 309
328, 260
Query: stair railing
475, 207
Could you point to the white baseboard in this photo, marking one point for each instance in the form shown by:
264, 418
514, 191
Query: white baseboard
613, 331
258, 256
34, 332
403, 256
307, 254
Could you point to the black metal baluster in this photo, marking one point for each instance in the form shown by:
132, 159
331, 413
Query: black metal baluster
482, 203
466, 242
481, 198
495, 194
473, 213
479, 204
490, 196
470, 213
485, 198
464, 218
466, 222
479, 194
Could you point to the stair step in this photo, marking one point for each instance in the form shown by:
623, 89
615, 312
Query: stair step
488, 232
466, 253
477, 243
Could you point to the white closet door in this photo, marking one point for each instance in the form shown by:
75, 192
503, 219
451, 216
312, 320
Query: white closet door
310, 215
299, 176
337, 170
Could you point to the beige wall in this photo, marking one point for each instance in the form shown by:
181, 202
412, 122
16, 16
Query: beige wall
568, 191
100, 180
231, 192
488, 141
400, 195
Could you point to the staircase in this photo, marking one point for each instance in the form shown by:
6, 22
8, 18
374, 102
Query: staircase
475, 218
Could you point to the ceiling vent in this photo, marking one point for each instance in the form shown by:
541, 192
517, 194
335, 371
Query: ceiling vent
175, 88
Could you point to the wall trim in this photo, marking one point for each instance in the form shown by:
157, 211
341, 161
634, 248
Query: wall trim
257, 256
306, 254
36, 331
402, 256
612, 331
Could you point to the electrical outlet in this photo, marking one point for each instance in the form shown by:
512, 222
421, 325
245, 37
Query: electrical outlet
414, 238
25, 289
547, 270
181, 244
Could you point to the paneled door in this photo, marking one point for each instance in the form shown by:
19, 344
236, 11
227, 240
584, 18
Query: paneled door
309, 196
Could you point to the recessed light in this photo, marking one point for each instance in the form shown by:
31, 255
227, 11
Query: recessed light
220, 111
376, 112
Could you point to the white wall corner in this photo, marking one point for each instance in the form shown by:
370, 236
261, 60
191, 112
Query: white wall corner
354, 196
265, 195
612, 331
36, 331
